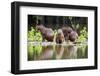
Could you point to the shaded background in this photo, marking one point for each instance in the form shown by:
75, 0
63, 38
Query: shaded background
56, 22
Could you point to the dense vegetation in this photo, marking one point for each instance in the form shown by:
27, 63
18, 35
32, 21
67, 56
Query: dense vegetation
34, 35
79, 24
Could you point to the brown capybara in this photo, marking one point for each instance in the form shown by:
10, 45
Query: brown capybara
66, 31
73, 36
60, 37
47, 33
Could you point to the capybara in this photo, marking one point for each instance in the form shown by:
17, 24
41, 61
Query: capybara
69, 34
60, 37
66, 31
47, 33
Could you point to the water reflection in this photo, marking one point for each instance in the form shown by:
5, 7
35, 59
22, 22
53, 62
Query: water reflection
54, 52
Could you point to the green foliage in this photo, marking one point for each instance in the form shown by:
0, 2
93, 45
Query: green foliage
82, 51
38, 49
77, 26
34, 35
30, 51
34, 50
83, 35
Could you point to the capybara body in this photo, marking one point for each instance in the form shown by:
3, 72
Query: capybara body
73, 36
47, 33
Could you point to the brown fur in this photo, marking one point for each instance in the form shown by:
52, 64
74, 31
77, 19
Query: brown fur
47, 33
73, 36
66, 31
60, 37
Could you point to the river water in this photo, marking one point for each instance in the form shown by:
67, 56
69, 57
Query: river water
57, 51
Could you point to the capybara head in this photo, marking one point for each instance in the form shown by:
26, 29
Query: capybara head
41, 28
66, 32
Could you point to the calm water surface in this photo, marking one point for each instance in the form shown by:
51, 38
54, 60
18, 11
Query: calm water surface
58, 51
